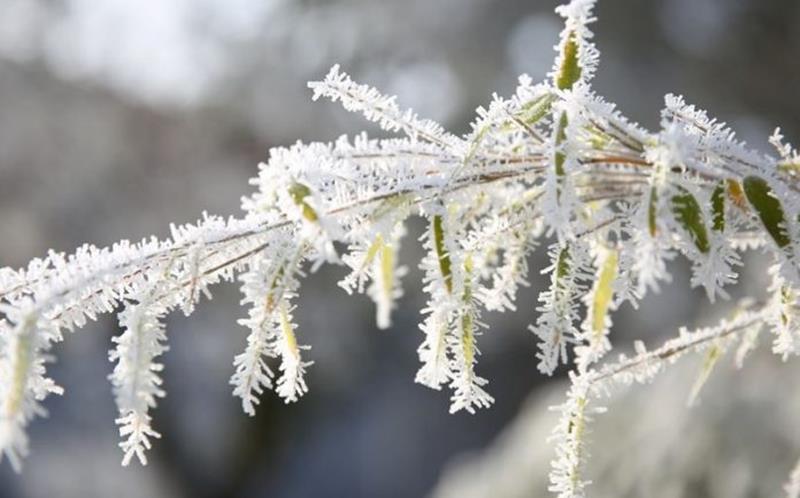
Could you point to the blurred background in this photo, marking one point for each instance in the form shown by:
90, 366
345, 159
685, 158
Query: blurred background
118, 117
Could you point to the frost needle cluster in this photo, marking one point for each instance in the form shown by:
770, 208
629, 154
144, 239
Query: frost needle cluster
554, 164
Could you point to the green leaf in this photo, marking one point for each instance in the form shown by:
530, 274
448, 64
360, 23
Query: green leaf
532, 112
287, 329
789, 167
736, 193
445, 264
388, 206
604, 292
372, 251
467, 337
713, 355
718, 208
468, 267
788, 300
652, 211
387, 270
562, 265
275, 290
570, 70
768, 207
561, 136
298, 192
689, 215
467, 319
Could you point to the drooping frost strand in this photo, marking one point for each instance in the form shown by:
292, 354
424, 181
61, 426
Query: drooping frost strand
553, 163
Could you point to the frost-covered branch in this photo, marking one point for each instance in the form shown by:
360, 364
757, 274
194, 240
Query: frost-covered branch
554, 164
571, 434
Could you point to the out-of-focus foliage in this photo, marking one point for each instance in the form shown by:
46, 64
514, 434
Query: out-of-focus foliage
142, 164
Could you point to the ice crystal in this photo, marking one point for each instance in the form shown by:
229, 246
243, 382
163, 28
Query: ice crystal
554, 163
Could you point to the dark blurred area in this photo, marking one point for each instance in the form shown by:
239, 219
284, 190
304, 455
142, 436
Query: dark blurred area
119, 117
